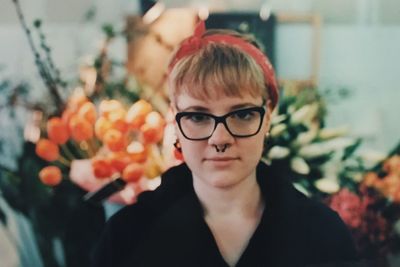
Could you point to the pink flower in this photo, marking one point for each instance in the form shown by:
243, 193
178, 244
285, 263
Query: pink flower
349, 206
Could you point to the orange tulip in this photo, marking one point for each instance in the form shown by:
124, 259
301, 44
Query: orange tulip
155, 120
66, 116
119, 160
101, 126
106, 107
80, 128
76, 101
88, 112
151, 134
115, 140
137, 113
120, 125
118, 114
50, 175
47, 150
137, 152
57, 130
133, 172
102, 168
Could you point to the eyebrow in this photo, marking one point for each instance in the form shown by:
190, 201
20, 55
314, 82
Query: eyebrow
204, 109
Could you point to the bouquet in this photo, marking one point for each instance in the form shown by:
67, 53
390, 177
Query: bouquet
96, 144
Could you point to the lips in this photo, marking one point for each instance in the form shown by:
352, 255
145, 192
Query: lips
221, 159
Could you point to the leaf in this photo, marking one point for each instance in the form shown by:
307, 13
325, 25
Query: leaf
348, 151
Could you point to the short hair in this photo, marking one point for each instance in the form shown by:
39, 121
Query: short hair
218, 69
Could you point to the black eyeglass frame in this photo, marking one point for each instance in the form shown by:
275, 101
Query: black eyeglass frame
220, 119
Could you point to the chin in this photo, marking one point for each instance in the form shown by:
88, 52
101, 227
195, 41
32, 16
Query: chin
222, 181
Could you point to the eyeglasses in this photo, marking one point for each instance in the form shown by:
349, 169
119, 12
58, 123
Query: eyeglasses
239, 123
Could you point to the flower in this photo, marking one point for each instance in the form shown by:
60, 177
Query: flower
328, 185
133, 172
50, 175
57, 130
47, 150
349, 207
102, 168
137, 113
278, 152
299, 165
88, 112
304, 114
81, 129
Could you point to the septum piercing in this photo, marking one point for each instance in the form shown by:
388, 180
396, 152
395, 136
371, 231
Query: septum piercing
222, 149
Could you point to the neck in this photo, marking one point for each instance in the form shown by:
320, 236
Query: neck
243, 199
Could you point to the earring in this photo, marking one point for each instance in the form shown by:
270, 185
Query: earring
178, 150
178, 146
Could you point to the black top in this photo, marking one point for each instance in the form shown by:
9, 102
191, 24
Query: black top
166, 228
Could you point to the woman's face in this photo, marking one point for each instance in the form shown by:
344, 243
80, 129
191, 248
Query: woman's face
240, 158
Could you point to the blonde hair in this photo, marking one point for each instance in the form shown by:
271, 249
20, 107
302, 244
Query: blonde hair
218, 69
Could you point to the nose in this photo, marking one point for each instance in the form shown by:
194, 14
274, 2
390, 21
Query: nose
220, 136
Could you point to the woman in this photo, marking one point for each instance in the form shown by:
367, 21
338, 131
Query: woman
223, 207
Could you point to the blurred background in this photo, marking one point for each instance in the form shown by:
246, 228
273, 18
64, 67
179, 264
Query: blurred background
337, 62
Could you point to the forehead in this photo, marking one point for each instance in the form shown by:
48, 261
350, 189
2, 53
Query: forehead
216, 105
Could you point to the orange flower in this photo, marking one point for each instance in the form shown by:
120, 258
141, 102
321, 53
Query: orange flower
66, 116
50, 175
150, 134
119, 160
155, 120
137, 152
137, 113
76, 101
101, 126
153, 129
133, 172
116, 115
57, 130
120, 125
152, 170
392, 165
102, 168
107, 107
47, 150
80, 128
370, 179
88, 112
115, 140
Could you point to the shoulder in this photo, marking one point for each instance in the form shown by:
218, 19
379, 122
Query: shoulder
126, 229
328, 238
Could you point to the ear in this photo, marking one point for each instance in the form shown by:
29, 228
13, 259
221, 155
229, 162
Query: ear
268, 114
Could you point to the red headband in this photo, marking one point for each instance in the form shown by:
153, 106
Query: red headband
192, 44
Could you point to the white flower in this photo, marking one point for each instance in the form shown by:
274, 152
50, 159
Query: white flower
322, 148
278, 129
302, 189
371, 158
299, 165
306, 137
278, 119
313, 150
278, 152
304, 114
328, 185
339, 143
329, 133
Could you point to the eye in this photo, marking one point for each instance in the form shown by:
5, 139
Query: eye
244, 115
197, 118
